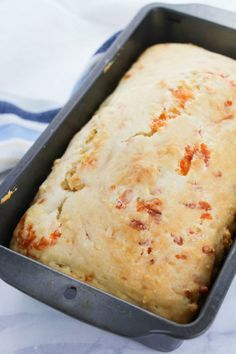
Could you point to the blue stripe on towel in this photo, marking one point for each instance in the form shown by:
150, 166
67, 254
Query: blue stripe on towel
10, 131
22, 131
108, 43
43, 117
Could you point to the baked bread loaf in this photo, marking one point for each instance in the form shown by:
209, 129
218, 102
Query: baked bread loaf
142, 203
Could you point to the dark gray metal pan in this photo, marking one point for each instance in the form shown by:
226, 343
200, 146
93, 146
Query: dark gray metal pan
208, 27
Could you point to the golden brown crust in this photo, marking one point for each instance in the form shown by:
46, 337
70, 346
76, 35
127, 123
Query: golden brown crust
141, 202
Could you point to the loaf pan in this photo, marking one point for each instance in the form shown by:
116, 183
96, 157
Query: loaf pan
208, 27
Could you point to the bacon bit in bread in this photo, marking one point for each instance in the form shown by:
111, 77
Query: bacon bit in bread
196, 231
191, 205
188, 294
203, 289
41, 244
208, 250
152, 261
124, 199
44, 242
154, 203
152, 207
181, 256
218, 174
164, 115
124, 278
177, 239
26, 237
206, 216
144, 242
156, 125
120, 205
228, 103
54, 237
155, 213
204, 205
160, 121
206, 153
137, 225
185, 163
182, 94
89, 277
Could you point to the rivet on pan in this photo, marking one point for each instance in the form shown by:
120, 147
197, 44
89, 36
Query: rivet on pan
70, 292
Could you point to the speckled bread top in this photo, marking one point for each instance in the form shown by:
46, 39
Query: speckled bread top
141, 202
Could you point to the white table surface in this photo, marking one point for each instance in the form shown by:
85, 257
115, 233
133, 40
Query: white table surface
27, 326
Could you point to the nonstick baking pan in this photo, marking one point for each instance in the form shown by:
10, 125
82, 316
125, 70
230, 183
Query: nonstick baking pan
211, 28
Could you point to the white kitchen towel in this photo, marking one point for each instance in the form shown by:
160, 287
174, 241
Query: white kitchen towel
22, 120
44, 47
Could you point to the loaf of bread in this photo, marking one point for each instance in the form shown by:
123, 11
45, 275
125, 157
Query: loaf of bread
142, 203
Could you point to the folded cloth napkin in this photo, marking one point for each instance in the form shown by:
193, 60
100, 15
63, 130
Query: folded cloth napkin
24, 120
